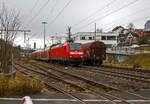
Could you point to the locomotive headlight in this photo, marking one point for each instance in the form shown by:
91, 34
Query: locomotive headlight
70, 56
80, 53
72, 53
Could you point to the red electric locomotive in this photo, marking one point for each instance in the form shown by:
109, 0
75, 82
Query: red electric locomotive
67, 53
71, 53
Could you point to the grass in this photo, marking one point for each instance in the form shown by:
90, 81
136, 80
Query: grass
20, 86
142, 60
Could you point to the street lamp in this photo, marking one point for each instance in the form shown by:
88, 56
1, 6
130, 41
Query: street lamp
44, 23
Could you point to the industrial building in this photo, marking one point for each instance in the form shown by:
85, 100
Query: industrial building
84, 37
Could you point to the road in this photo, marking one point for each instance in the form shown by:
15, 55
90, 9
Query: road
48, 98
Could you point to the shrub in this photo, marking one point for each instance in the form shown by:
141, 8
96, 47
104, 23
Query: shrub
20, 87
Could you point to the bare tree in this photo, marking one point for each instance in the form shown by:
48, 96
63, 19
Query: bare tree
131, 27
9, 24
99, 30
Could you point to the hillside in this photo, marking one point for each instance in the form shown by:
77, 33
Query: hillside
138, 60
141, 60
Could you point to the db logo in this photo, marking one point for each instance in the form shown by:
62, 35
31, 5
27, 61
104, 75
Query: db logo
26, 100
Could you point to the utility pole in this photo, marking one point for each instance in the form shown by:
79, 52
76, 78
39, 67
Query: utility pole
95, 32
25, 32
44, 23
1, 32
69, 34
52, 38
24, 36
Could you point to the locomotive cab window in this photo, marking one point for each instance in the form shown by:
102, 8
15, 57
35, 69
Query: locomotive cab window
75, 46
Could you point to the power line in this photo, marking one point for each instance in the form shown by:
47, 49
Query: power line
33, 18
57, 15
100, 18
34, 6
138, 19
99, 10
136, 12
52, 9
31, 10
60, 12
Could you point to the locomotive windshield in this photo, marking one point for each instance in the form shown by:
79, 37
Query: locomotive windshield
75, 46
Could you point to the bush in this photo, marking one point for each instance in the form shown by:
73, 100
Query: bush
20, 87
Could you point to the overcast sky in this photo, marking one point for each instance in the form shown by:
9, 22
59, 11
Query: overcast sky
80, 14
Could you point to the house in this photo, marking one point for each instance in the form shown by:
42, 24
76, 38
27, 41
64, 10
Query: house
126, 36
84, 37
147, 26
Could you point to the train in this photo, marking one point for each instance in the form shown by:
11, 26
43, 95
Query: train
73, 53
94, 53
67, 53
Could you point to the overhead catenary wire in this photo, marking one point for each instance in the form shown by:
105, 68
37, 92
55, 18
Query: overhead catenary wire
61, 11
31, 10
116, 20
91, 15
136, 12
34, 17
52, 9
39, 11
100, 18
138, 19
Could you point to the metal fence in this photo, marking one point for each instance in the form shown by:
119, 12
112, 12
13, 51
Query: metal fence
125, 50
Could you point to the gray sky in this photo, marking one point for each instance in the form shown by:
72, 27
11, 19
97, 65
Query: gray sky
80, 14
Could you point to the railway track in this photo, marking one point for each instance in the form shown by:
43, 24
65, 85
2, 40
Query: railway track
138, 78
52, 75
125, 68
92, 81
107, 96
50, 86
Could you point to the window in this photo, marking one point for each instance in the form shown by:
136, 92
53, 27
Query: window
90, 38
103, 38
111, 37
83, 38
93, 37
75, 46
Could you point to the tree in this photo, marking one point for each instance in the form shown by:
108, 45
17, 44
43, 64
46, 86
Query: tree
131, 27
9, 23
99, 30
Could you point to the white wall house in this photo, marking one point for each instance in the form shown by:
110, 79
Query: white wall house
84, 37
147, 26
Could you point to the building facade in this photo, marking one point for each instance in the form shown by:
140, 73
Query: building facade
147, 26
84, 37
